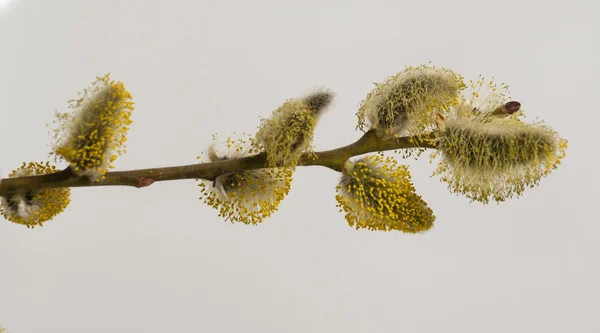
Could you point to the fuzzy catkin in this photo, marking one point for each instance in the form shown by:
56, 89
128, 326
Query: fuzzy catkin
408, 102
497, 158
248, 196
93, 134
377, 194
33, 208
288, 133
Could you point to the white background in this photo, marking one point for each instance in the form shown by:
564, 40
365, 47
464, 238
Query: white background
159, 260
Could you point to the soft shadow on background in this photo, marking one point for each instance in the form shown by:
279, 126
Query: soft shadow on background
159, 260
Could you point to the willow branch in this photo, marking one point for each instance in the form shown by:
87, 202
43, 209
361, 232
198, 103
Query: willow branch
332, 159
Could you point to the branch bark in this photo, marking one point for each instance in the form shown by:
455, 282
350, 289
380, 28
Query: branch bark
332, 159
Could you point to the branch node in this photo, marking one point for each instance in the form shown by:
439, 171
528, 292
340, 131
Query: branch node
144, 182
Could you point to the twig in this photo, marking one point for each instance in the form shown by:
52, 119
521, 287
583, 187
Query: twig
332, 159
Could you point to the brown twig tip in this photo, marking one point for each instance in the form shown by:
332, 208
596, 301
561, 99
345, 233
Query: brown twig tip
511, 107
144, 182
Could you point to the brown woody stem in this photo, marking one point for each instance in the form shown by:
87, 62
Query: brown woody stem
332, 159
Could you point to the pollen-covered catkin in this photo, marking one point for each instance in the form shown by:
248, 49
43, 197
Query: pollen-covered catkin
488, 153
32, 208
247, 196
496, 158
288, 133
93, 134
377, 194
408, 102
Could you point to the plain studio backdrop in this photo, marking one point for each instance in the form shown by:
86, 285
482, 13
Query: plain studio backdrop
159, 260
